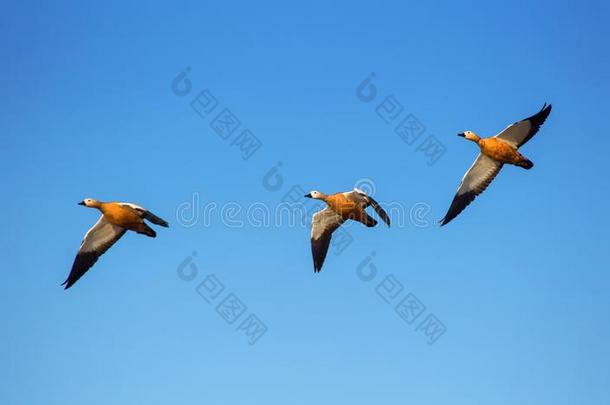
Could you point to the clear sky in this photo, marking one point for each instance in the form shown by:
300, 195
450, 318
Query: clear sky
512, 296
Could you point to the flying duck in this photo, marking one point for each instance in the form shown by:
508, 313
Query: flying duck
495, 152
117, 218
340, 208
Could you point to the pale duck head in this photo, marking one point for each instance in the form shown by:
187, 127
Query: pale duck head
316, 195
471, 136
89, 202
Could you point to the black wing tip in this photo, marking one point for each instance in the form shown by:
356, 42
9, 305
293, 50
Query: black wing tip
380, 211
451, 214
318, 263
385, 219
82, 263
70, 281
459, 204
446, 220
542, 115
537, 120
319, 249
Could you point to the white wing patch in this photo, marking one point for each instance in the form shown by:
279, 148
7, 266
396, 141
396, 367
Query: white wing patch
134, 206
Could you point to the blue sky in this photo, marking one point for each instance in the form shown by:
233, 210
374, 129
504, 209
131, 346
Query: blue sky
519, 280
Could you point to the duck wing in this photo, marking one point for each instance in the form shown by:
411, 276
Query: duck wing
522, 131
475, 181
96, 242
324, 223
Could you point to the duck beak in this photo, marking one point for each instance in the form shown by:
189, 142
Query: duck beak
308, 195
81, 203
463, 135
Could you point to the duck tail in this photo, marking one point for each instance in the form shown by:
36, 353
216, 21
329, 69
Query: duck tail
146, 230
155, 219
526, 164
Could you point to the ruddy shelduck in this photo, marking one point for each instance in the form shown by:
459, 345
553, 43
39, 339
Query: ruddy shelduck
116, 219
340, 208
495, 152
